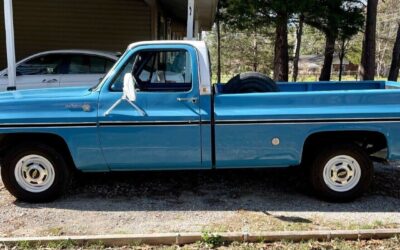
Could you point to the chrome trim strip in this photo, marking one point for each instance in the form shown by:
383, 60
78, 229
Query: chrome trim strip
307, 121
150, 123
47, 125
198, 122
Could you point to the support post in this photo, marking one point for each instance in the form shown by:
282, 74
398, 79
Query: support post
190, 20
9, 25
196, 34
154, 18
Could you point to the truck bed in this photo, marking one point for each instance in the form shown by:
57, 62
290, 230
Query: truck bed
246, 124
331, 86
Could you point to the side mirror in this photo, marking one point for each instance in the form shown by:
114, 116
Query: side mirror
129, 88
128, 95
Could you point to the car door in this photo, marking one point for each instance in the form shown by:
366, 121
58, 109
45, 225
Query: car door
85, 70
41, 71
168, 136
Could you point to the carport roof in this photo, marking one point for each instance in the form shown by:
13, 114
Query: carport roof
205, 10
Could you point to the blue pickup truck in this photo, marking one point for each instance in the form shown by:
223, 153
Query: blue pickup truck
158, 110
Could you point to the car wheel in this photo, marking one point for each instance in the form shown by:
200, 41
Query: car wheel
341, 172
34, 173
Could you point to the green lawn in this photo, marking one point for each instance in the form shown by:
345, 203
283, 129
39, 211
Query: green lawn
392, 243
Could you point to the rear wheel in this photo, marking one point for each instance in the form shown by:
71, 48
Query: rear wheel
34, 173
341, 172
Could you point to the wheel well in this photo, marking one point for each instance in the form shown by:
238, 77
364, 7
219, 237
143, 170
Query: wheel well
8, 141
372, 142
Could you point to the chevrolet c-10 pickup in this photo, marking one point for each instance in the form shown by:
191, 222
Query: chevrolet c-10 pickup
157, 109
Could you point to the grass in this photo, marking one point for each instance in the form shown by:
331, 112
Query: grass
25, 245
54, 231
211, 242
252, 221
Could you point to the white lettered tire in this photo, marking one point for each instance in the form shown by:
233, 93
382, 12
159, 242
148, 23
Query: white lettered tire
34, 173
341, 172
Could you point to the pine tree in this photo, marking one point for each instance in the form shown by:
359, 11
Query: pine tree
337, 19
395, 66
257, 15
368, 57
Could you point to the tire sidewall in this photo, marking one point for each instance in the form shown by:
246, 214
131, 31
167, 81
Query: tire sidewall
60, 171
317, 173
254, 81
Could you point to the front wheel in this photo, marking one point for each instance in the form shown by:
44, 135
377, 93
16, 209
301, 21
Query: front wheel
341, 172
34, 173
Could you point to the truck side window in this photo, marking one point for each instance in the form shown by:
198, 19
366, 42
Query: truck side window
158, 71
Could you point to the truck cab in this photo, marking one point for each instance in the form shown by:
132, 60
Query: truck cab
172, 99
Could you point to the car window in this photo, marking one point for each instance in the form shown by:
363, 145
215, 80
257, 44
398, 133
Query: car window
109, 64
97, 65
41, 65
100, 65
79, 64
158, 71
85, 64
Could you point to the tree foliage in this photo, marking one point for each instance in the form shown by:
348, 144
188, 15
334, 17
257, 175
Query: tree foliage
256, 15
335, 18
261, 34
338, 20
386, 31
239, 53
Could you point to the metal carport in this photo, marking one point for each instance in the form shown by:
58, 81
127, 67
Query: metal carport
97, 24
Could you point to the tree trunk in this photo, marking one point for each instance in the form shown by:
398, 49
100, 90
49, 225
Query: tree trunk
281, 57
341, 58
299, 34
367, 67
218, 46
255, 52
329, 51
395, 67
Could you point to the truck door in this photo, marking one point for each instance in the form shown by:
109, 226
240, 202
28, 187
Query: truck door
168, 135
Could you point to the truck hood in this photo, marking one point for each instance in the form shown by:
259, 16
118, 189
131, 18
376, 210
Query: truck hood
57, 105
51, 93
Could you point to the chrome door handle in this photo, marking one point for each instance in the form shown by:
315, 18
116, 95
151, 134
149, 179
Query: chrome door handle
189, 99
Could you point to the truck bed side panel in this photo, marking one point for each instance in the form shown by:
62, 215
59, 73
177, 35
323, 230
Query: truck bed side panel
247, 124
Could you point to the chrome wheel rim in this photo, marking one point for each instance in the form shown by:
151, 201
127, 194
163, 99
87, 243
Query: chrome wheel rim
34, 173
342, 173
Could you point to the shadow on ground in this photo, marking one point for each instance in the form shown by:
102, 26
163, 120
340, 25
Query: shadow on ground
223, 190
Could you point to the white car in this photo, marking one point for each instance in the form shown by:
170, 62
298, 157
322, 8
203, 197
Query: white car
61, 68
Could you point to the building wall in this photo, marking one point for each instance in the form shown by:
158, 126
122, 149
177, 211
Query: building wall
178, 30
72, 24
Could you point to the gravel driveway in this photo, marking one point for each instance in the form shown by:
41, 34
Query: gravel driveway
217, 201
